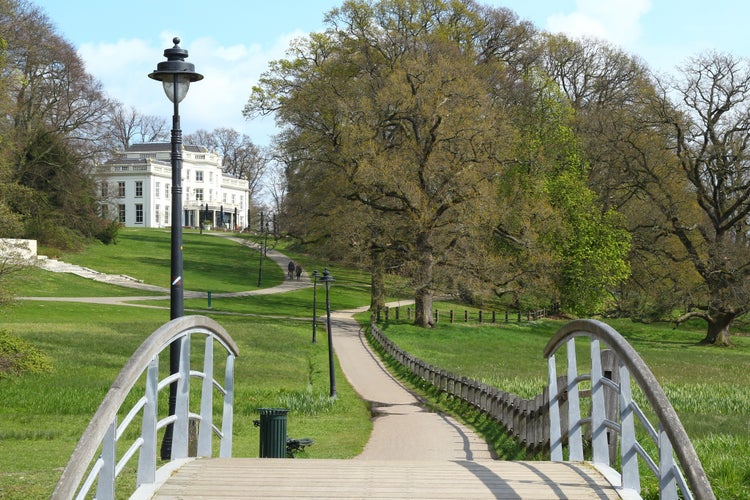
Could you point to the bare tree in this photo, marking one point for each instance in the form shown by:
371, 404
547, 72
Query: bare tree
126, 126
690, 159
241, 158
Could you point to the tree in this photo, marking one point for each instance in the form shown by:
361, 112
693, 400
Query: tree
698, 181
241, 158
392, 104
127, 125
52, 130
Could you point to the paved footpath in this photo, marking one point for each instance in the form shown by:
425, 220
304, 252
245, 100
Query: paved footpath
403, 428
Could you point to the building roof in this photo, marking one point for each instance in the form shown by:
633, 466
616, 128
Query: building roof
125, 161
149, 147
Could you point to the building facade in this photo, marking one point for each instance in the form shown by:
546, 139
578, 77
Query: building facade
137, 188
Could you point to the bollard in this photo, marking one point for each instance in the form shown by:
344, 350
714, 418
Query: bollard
209, 299
273, 432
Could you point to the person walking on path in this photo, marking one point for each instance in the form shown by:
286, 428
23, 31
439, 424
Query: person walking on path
290, 268
298, 271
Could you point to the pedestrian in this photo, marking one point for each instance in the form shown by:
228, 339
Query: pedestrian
298, 271
290, 268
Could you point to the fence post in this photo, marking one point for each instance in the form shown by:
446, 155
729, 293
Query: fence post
480, 316
451, 315
387, 313
437, 315
397, 311
493, 316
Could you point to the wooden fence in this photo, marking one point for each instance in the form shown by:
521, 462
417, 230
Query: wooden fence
466, 316
527, 420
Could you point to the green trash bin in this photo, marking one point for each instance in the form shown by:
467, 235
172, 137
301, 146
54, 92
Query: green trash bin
273, 432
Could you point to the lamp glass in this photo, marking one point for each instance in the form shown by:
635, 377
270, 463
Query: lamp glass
183, 84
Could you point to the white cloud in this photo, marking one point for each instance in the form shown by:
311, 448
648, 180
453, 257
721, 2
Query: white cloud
617, 21
214, 102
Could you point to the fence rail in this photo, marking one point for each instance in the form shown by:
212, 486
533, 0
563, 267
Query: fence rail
466, 316
104, 432
556, 422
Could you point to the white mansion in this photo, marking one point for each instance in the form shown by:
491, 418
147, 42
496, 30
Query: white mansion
136, 188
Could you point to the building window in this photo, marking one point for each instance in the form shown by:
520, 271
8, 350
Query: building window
139, 213
199, 175
157, 213
233, 198
158, 189
199, 194
105, 211
121, 212
139, 189
166, 191
105, 189
121, 189
166, 214
225, 197
210, 177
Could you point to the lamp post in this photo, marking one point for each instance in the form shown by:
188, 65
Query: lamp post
315, 306
260, 262
327, 279
175, 75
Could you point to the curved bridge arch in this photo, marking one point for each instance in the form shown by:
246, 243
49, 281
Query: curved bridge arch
103, 432
669, 437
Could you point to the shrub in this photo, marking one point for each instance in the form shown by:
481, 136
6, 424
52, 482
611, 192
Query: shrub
108, 234
18, 357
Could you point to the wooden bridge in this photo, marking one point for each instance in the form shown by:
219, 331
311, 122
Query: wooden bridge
383, 479
413, 453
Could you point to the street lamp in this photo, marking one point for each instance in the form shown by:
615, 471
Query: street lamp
327, 279
315, 306
175, 75
260, 262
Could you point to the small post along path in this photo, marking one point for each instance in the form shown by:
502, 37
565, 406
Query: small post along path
413, 452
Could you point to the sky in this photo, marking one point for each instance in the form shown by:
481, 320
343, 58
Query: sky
231, 42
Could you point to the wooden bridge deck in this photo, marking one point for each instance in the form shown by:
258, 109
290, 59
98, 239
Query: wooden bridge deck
336, 479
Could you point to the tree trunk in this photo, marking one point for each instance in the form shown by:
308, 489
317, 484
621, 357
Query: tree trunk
423, 308
377, 291
717, 332
423, 290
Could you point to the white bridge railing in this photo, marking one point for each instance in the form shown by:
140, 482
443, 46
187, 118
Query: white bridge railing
593, 413
96, 460
614, 413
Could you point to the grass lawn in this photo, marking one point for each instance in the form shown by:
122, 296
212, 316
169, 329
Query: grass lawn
43, 415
